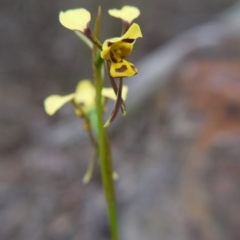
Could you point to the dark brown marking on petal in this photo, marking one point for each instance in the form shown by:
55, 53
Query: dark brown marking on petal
109, 44
128, 40
123, 68
112, 57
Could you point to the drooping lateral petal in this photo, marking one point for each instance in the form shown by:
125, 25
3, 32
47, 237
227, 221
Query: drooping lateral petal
127, 13
75, 19
85, 95
54, 102
123, 69
133, 32
109, 93
117, 104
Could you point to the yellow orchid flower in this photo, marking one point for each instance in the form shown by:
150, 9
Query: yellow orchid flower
84, 104
127, 13
116, 49
75, 19
83, 98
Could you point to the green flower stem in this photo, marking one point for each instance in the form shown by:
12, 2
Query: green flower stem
105, 154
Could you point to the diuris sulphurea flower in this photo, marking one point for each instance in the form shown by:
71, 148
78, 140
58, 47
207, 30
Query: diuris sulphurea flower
114, 51
117, 49
83, 100
84, 103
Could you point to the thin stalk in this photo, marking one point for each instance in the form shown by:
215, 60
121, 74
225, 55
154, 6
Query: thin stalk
105, 159
104, 151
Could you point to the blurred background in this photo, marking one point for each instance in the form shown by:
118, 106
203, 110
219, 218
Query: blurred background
177, 153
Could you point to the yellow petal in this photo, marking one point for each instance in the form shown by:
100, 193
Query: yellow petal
117, 51
121, 50
127, 13
109, 93
75, 19
85, 95
133, 32
105, 54
54, 102
123, 69
108, 42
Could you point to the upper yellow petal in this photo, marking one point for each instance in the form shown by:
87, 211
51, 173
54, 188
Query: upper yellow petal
109, 93
127, 13
75, 19
133, 32
85, 95
54, 102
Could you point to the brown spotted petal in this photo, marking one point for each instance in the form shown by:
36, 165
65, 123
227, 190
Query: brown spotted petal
123, 69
